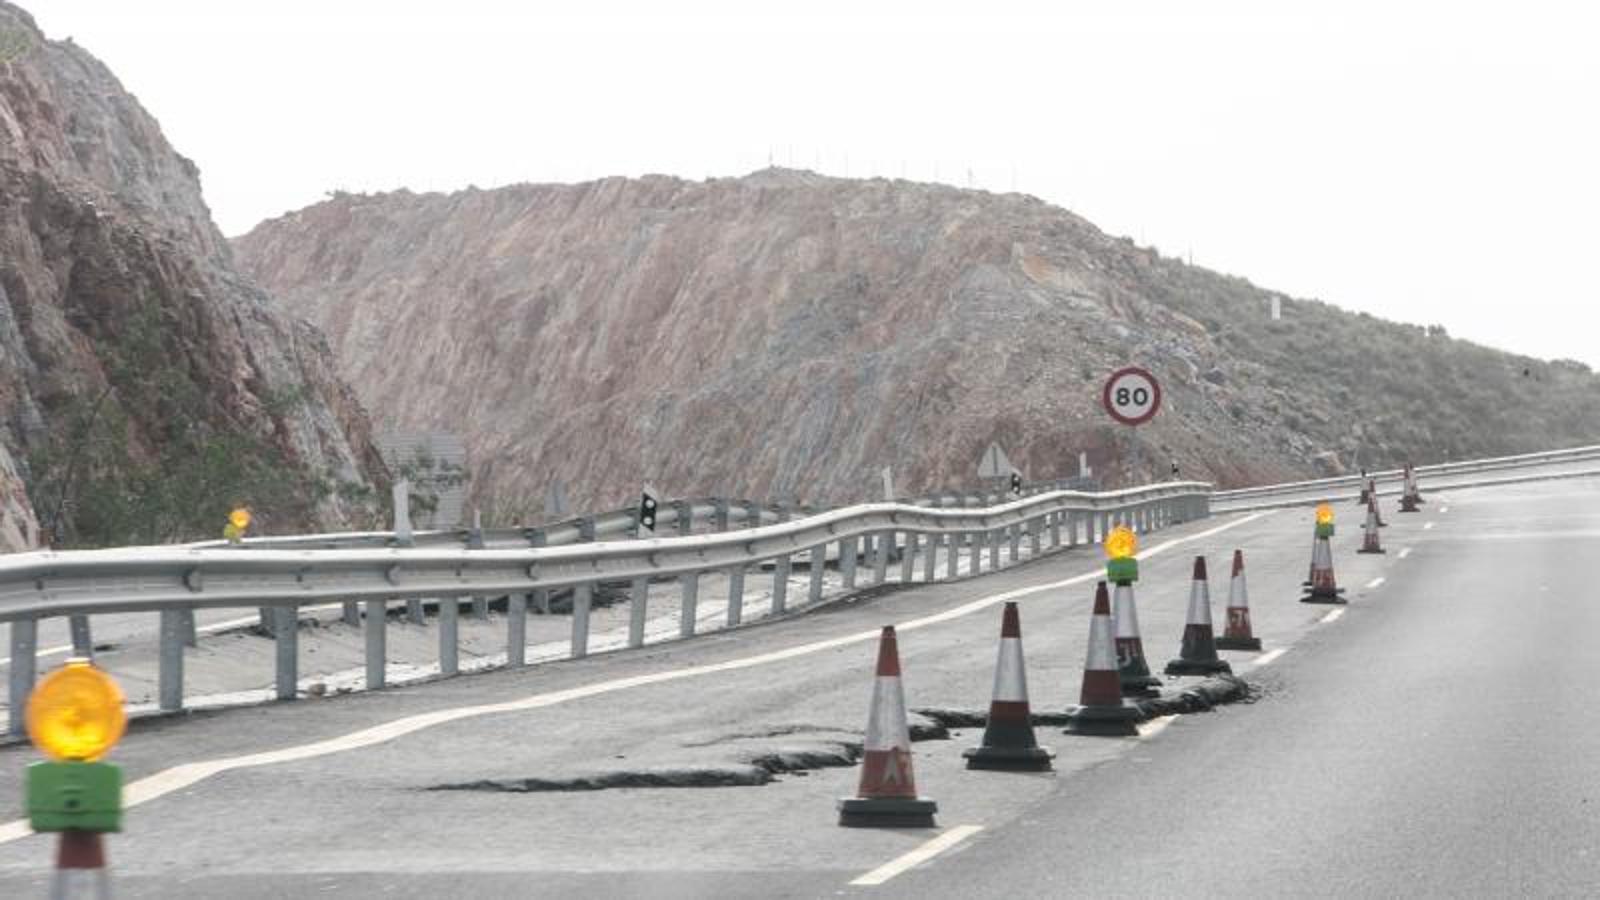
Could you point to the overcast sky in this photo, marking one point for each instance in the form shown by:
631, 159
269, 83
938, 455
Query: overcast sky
1427, 163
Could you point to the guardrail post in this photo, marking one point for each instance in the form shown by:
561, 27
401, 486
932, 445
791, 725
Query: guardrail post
264, 619
24, 660
638, 609
816, 564
541, 596
995, 538
351, 613
847, 562
735, 595
582, 595
449, 634
377, 619
685, 513
952, 555
880, 557
720, 522
82, 645
781, 568
517, 630
691, 601
414, 612
908, 557
286, 632
169, 674
1014, 534
930, 557
1035, 535
480, 604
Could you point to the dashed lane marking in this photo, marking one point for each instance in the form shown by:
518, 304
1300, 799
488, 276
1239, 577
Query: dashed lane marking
186, 774
1267, 658
1375, 583
1427, 526
1443, 510
918, 856
1332, 616
1404, 552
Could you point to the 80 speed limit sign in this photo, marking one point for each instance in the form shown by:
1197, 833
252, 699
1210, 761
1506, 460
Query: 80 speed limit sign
1132, 396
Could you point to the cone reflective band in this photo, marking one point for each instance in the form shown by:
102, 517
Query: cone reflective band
1008, 741
887, 796
1369, 531
1238, 635
1121, 545
1132, 668
1198, 655
1100, 710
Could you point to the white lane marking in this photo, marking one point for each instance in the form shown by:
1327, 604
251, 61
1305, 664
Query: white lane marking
1155, 726
1376, 582
918, 856
1332, 616
1267, 658
1443, 510
1427, 525
1404, 552
181, 776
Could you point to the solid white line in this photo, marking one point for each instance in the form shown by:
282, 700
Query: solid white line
1376, 582
1155, 726
918, 856
1405, 552
1427, 525
1332, 616
1267, 658
181, 776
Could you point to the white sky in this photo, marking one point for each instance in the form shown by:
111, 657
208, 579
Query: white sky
1435, 163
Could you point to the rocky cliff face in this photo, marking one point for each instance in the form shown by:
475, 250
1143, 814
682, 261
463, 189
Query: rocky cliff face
141, 376
790, 334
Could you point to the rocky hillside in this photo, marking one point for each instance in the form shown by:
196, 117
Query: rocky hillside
790, 334
145, 384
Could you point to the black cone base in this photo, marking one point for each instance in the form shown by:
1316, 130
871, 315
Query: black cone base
1198, 667
1365, 550
1238, 643
1104, 721
1012, 759
1324, 596
872, 812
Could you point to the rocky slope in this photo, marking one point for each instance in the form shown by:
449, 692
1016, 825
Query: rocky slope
145, 383
790, 334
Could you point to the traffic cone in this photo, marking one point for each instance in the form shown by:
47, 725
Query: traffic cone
1410, 498
80, 866
1100, 710
887, 797
1369, 531
1323, 588
1132, 669
1199, 653
1238, 636
1008, 741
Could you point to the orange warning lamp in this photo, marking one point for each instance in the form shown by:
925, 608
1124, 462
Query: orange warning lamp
1324, 520
239, 518
76, 713
1121, 567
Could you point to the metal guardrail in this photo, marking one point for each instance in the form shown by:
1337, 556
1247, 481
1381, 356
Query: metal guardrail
175, 581
1573, 454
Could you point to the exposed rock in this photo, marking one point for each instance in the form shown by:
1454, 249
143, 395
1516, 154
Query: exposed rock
120, 307
787, 333
1327, 464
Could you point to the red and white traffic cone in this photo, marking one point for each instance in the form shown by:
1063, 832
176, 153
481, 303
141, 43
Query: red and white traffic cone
1008, 741
1132, 668
1198, 655
1323, 587
80, 867
887, 797
1369, 530
1238, 635
1100, 710
1410, 497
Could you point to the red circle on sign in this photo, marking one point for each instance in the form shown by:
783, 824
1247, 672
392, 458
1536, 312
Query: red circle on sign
1155, 396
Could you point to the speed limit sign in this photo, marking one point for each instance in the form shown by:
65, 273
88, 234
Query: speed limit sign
1132, 396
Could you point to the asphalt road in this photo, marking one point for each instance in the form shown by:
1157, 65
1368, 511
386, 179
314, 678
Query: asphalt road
1432, 740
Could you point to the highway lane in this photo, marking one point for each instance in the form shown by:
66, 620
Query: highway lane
362, 820
1427, 484
1440, 739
